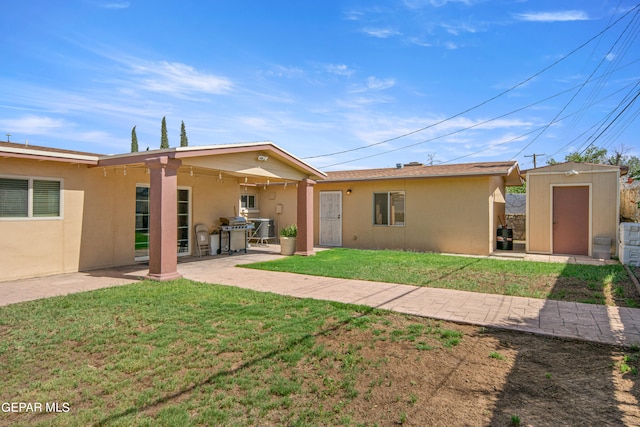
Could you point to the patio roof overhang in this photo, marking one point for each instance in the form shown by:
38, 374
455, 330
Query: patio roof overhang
258, 161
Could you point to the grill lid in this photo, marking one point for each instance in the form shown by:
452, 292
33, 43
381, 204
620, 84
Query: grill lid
233, 220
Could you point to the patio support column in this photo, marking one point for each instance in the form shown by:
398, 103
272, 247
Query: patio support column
163, 218
304, 241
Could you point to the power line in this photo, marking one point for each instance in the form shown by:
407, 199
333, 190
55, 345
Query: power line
580, 89
537, 129
600, 123
614, 119
490, 120
483, 102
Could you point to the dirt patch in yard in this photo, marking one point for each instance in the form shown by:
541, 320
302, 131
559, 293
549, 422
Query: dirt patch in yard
489, 377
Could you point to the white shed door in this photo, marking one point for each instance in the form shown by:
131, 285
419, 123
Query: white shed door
331, 218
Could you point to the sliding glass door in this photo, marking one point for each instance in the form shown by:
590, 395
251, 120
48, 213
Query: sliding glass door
142, 222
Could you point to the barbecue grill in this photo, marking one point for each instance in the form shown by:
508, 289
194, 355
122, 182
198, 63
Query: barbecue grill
233, 234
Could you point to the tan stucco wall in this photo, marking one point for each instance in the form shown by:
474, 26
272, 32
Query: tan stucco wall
604, 203
86, 235
453, 215
98, 225
286, 198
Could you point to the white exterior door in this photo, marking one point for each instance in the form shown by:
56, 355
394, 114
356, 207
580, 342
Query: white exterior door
330, 218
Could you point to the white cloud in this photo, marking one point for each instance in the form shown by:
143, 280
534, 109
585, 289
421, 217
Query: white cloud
33, 125
180, 79
340, 69
116, 5
381, 33
288, 72
353, 15
419, 42
456, 29
416, 4
450, 45
560, 16
373, 83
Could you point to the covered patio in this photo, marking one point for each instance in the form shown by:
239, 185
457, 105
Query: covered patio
216, 178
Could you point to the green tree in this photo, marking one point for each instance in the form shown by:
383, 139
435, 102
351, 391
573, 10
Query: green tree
164, 140
520, 189
183, 136
592, 154
599, 155
134, 141
634, 166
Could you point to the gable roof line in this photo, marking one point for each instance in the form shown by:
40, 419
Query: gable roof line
195, 151
11, 149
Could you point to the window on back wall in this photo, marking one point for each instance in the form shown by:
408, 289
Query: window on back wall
30, 198
388, 208
248, 202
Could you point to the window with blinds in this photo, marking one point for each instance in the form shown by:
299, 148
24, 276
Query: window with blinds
14, 198
30, 198
46, 198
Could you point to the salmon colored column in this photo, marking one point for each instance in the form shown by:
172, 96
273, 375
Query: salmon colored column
304, 241
163, 218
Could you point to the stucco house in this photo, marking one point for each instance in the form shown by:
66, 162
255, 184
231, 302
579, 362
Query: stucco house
446, 208
65, 211
573, 208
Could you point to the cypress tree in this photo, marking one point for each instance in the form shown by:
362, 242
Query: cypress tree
164, 140
134, 141
184, 142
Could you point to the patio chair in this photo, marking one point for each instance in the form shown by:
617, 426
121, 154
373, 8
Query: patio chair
202, 239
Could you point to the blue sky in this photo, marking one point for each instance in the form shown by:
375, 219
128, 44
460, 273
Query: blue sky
342, 84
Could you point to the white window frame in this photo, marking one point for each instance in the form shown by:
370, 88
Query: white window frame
30, 216
390, 220
255, 208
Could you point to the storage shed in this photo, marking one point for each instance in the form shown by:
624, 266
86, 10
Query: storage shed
574, 209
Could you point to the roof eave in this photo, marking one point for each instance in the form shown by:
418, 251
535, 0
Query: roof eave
449, 175
35, 154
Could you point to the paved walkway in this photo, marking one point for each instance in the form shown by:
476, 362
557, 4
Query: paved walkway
609, 325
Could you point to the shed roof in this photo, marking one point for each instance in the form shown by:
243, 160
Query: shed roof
508, 169
577, 166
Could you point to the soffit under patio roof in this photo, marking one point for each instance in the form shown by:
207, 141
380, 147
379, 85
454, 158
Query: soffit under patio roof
258, 159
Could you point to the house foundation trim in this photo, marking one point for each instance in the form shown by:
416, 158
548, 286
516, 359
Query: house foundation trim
163, 239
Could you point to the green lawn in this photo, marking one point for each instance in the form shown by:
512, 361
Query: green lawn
186, 353
183, 353
569, 282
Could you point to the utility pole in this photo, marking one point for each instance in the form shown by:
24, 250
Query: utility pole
534, 159
8, 136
